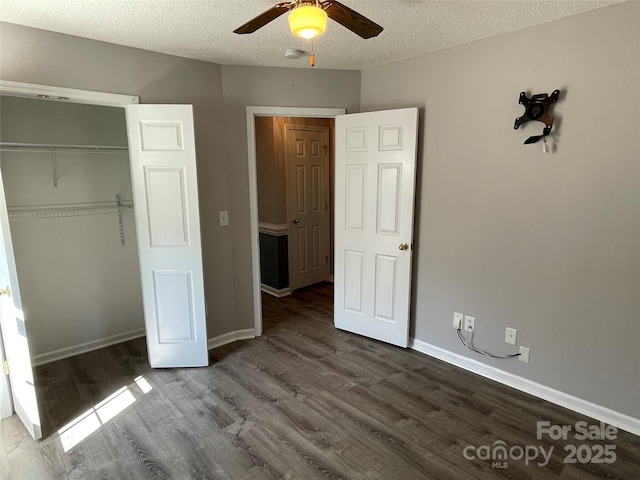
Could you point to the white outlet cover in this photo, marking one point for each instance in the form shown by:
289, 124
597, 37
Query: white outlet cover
524, 354
510, 336
469, 323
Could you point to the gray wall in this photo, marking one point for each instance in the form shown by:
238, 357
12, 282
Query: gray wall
25, 120
47, 58
270, 173
548, 244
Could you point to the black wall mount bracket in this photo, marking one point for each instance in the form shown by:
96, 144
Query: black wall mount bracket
535, 108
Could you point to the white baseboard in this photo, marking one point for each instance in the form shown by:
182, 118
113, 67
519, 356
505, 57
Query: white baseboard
598, 412
74, 350
230, 337
276, 293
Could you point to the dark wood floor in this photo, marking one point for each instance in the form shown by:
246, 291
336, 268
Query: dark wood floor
304, 401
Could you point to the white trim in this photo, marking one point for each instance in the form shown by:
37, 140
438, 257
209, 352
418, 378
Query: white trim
275, 230
253, 112
283, 292
69, 95
220, 340
74, 350
598, 412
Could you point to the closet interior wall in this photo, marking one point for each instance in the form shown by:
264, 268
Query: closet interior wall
80, 284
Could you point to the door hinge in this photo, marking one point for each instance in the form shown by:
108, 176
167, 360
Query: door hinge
5, 367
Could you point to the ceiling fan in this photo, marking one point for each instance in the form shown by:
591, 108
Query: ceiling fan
308, 19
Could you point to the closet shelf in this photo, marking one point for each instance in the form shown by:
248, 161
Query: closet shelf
68, 210
47, 147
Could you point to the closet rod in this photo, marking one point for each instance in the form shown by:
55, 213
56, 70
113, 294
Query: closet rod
50, 147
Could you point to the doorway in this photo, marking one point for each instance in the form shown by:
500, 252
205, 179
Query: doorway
253, 114
294, 159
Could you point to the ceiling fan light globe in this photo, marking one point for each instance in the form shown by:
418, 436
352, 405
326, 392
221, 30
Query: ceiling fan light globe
307, 21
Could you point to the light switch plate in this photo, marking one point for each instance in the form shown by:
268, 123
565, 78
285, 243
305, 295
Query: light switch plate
223, 218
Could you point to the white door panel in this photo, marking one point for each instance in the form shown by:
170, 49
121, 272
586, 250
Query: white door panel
14, 332
163, 175
375, 184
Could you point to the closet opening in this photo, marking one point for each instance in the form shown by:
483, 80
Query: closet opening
67, 182
68, 237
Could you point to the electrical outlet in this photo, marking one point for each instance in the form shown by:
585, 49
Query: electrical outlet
524, 354
457, 320
510, 336
469, 323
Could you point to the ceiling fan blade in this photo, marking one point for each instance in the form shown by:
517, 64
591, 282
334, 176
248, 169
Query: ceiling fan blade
358, 24
265, 17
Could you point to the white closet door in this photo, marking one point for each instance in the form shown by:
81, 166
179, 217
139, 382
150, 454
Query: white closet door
14, 333
165, 194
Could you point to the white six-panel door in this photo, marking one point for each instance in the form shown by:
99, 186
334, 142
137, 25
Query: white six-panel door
375, 184
163, 175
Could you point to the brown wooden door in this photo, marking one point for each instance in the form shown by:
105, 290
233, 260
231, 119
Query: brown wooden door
307, 204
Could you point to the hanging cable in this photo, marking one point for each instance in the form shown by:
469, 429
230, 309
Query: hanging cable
470, 346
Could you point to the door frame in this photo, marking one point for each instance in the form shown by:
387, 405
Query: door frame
252, 113
66, 95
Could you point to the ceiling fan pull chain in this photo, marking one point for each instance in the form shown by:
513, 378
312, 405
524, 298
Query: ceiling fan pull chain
312, 60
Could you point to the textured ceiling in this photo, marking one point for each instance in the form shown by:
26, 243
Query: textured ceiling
202, 29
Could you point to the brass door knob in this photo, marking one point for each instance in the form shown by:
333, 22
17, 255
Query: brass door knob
403, 246
6, 291
296, 220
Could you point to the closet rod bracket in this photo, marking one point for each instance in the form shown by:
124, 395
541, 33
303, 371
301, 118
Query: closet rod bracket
55, 169
120, 225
